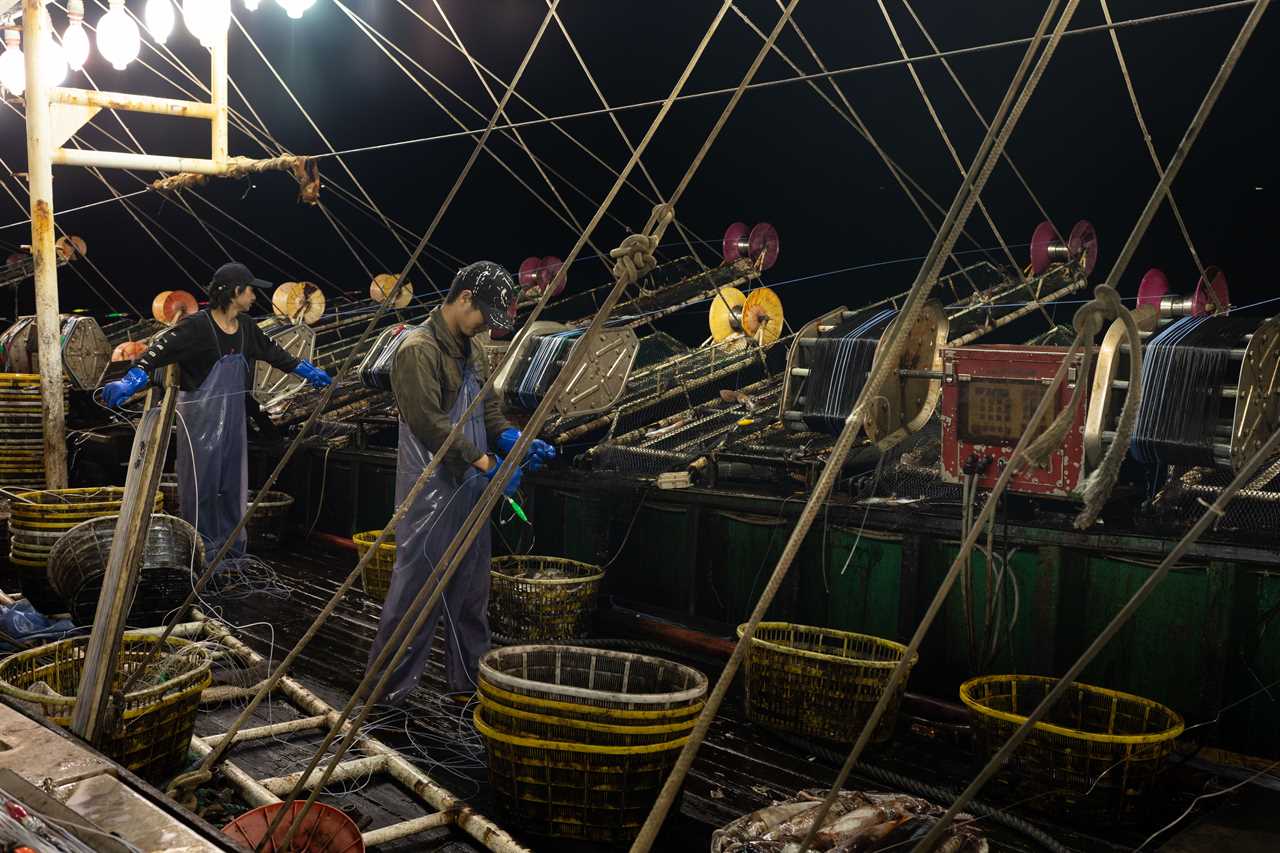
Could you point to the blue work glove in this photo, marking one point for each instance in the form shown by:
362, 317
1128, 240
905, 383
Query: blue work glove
513, 485
317, 377
115, 393
540, 452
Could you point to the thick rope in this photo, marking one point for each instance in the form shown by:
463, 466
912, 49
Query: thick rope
302, 168
1211, 516
478, 517
881, 369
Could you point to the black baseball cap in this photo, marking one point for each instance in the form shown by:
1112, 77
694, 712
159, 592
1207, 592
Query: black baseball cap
234, 276
493, 292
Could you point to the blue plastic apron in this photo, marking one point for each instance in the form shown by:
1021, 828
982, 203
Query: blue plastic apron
212, 457
421, 539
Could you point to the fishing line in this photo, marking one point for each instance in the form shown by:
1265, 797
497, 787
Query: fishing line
838, 372
550, 352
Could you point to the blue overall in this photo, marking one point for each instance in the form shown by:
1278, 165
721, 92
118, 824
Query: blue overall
212, 456
422, 537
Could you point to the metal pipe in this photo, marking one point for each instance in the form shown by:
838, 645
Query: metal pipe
141, 162
344, 772
38, 31
131, 103
406, 828
288, 727
1123, 385
218, 96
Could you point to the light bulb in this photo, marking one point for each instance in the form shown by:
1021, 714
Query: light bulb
252, 5
54, 60
159, 18
13, 66
75, 41
295, 8
118, 37
207, 19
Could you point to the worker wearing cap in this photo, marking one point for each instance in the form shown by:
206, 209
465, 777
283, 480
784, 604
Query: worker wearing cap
214, 350
436, 373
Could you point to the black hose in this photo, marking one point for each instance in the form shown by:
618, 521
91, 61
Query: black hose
934, 793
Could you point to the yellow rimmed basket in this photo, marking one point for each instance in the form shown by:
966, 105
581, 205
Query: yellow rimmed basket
542, 599
376, 575
154, 735
38, 519
1098, 753
820, 682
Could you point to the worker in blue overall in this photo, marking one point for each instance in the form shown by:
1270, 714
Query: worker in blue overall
214, 350
436, 373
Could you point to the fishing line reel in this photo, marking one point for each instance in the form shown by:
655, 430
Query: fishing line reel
737, 319
1049, 249
757, 245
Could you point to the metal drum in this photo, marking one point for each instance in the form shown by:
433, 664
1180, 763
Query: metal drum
375, 367
85, 349
78, 563
271, 386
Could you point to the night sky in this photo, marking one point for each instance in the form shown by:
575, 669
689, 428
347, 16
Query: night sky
785, 157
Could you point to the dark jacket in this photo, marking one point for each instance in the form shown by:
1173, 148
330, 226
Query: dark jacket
426, 375
196, 344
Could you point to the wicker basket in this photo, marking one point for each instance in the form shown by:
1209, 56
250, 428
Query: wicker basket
819, 682
268, 520
158, 720
78, 563
169, 491
580, 741
1096, 756
376, 575
38, 519
542, 599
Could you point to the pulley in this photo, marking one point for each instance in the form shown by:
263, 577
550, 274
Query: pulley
383, 284
736, 319
1048, 248
170, 306
298, 302
536, 275
1210, 297
757, 244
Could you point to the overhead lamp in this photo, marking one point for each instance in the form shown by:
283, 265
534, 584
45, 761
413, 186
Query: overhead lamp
252, 5
159, 17
54, 60
295, 8
13, 66
208, 20
118, 37
75, 41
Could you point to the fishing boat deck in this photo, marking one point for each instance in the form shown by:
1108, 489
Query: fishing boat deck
740, 768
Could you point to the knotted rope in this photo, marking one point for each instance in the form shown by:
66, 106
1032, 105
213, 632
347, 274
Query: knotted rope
302, 168
633, 259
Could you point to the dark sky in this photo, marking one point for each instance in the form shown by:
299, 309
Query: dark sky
784, 157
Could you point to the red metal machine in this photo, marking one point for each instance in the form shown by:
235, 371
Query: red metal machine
988, 396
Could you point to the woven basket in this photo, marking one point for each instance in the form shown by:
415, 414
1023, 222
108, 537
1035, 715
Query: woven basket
268, 520
542, 599
1096, 756
169, 491
38, 519
819, 682
580, 741
78, 563
376, 575
155, 732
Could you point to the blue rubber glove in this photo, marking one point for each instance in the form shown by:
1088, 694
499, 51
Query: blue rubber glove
540, 452
513, 485
317, 377
115, 393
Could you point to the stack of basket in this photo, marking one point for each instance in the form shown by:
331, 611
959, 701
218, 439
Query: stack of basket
267, 523
158, 716
37, 520
21, 431
580, 740
173, 551
542, 599
1097, 756
820, 682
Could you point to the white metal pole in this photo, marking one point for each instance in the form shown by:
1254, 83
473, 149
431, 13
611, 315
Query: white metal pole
36, 28
218, 97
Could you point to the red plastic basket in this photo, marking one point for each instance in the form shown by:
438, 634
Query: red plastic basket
324, 830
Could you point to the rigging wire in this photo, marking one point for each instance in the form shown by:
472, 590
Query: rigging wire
1230, 5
